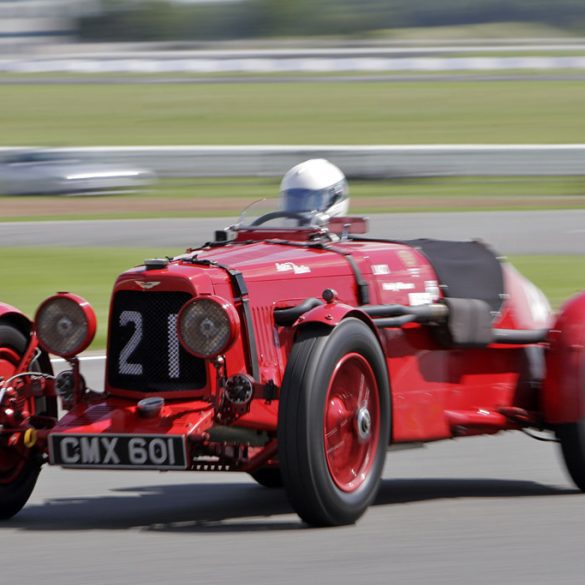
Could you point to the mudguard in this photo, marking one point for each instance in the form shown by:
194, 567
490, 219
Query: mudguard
331, 314
12, 316
563, 398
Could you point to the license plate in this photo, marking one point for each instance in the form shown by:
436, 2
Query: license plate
118, 451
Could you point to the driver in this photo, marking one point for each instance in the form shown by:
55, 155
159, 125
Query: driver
315, 186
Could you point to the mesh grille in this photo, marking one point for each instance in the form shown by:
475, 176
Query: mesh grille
143, 349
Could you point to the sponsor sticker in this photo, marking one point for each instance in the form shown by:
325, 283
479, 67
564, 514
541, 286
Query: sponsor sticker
419, 298
397, 286
432, 288
380, 269
408, 258
291, 267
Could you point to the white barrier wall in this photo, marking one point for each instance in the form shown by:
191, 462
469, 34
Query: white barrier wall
270, 64
356, 161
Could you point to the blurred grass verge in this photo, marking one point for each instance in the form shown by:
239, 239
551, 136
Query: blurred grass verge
228, 196
31, 274
488, 31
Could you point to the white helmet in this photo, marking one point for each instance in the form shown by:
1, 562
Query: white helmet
315, 185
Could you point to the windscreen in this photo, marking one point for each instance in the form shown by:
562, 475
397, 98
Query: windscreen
268, 213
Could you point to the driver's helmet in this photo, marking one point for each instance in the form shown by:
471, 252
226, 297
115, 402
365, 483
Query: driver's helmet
315, 185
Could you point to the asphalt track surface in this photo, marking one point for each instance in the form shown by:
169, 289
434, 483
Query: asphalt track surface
509, 232
478, 510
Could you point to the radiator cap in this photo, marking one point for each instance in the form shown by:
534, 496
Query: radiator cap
156, 263
150, 407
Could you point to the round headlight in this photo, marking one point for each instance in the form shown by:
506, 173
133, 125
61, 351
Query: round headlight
208, 326
65, 324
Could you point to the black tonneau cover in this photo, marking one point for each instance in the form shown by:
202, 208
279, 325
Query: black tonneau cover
466, 270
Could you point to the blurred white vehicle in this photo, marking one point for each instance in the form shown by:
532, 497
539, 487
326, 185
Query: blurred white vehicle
45, 172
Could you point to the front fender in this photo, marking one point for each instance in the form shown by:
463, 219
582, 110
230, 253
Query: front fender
12, 316
331, 314
9, 315
563, 398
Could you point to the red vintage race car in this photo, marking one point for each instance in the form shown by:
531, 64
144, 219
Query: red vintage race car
298, 355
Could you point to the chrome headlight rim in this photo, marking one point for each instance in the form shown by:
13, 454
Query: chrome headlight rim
230, 325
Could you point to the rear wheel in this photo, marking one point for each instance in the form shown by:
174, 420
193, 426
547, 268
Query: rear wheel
572, 440
334, 423
19, 468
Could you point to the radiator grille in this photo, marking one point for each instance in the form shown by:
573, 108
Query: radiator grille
143, 350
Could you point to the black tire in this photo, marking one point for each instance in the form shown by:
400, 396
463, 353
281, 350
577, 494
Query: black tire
314, 486
268, 477
14, 495
572, 440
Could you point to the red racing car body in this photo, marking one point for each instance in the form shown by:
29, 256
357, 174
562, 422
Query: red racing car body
297, 355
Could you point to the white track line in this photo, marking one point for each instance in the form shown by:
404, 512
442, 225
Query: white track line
85, 358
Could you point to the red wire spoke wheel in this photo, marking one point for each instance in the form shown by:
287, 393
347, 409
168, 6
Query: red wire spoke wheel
352, 415
334, 422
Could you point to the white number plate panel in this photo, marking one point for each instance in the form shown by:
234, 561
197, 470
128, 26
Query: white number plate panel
118, 451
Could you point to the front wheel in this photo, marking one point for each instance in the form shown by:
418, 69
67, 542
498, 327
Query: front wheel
334, 423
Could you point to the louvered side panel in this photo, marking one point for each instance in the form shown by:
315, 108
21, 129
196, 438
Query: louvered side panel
265, 335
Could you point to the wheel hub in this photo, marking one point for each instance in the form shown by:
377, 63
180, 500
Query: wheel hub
363, 423
351, 422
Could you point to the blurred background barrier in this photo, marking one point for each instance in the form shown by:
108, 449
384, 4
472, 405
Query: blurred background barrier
366, 162
269, 62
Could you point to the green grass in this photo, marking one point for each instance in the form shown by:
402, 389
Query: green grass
31, 274
35, 273
294, 113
